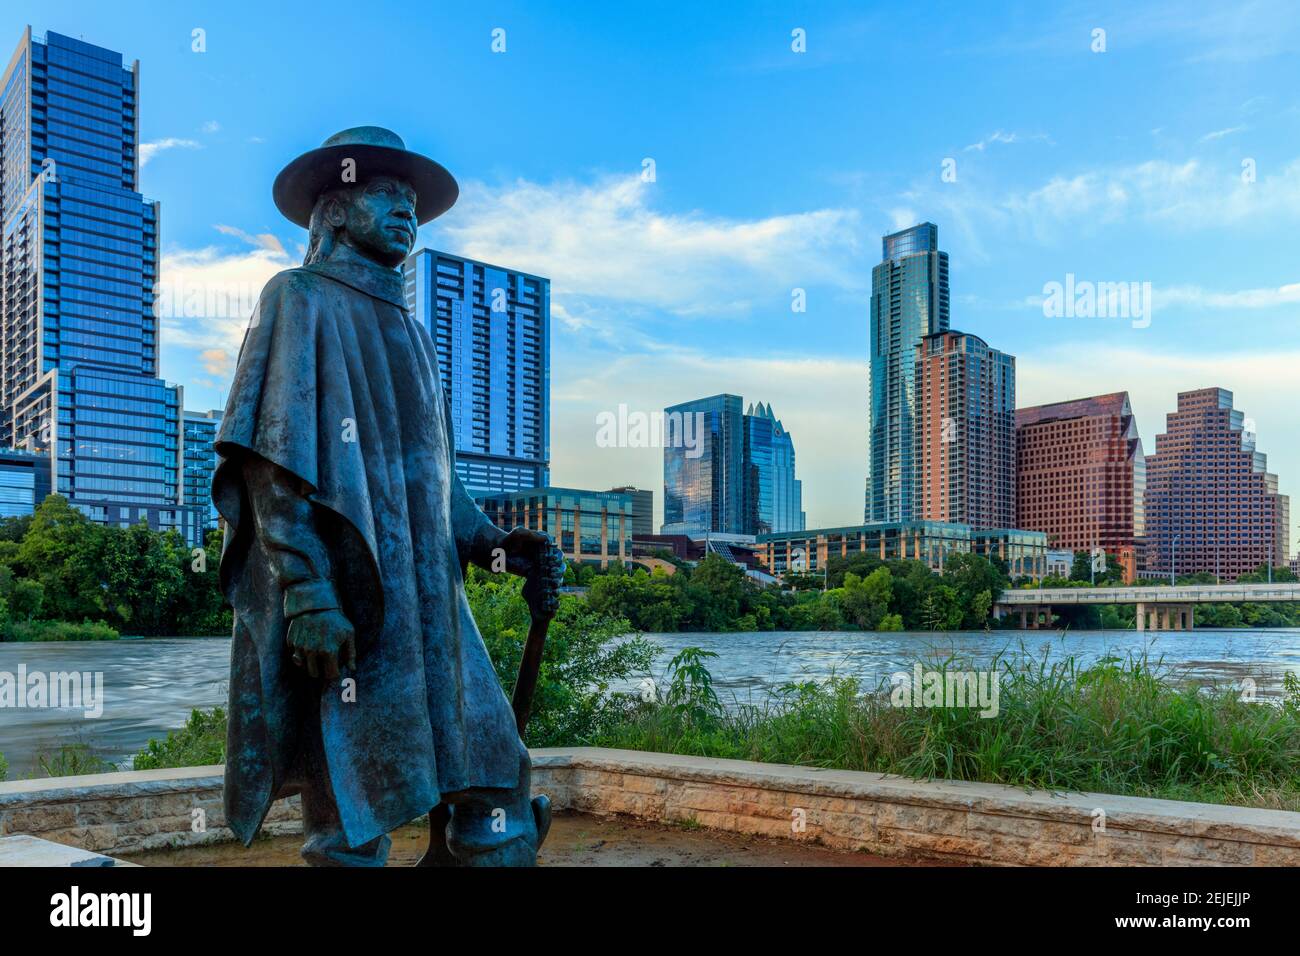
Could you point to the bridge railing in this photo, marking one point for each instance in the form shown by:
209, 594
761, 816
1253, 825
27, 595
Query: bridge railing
1188, 594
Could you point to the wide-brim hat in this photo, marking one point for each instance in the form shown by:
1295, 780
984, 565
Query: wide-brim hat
375, 151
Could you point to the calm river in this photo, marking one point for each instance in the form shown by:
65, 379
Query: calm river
151, 685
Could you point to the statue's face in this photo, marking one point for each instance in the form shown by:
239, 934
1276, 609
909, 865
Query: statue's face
379, 220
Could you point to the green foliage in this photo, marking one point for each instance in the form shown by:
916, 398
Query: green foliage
202, 741
1081, 570
72, 760
858, 592
1121, 726
57, 565
691, 696
26, 598
586, 653
41, 631
864, 601
4, 767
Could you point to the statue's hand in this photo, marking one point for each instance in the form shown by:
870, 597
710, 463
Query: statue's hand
322, 641
532, 555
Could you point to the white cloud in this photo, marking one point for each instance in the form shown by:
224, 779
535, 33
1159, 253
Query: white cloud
211, 126
208, 294
1007, 139
149, 150
1177, 195
607, 241
1220, 133
1195, 296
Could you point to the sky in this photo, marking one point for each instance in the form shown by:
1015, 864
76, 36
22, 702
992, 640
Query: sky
678, 171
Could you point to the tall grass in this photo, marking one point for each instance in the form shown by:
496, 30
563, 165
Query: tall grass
1119, 726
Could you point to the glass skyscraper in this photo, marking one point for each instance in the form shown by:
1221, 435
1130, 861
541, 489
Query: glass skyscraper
728, 471
492, 329
775, 496
80, 265
909, 300
704, 467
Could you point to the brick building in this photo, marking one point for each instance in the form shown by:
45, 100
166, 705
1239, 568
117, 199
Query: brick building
1211, 504
1080, 476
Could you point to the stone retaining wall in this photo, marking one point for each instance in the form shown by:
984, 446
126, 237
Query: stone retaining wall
129, 811
965, 822
943, 819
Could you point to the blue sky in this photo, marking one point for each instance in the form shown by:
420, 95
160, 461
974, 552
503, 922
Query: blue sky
774, 170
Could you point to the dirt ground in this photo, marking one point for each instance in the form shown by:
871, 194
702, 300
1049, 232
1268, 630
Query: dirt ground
575, 840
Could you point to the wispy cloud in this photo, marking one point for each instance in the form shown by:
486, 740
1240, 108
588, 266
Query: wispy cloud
1174, 195
1007, 139
608, 240
149, 150
1220, 133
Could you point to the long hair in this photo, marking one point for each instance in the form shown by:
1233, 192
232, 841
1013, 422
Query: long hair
322, 236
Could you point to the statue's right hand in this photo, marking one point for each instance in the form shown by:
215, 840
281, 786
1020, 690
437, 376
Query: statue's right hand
323, 641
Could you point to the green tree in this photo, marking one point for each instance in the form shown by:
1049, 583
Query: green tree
63, 550
715, 591
863, 602
978, 584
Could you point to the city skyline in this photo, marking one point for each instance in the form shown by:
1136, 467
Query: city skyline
1038, 198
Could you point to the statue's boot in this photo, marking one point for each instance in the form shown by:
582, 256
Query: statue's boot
499, 827
479, 835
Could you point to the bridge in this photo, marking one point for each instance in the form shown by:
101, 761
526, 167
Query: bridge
1158, 608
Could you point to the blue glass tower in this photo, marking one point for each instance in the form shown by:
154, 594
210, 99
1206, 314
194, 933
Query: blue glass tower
774, 496
80, 266
909, 300
704, 467
492, 328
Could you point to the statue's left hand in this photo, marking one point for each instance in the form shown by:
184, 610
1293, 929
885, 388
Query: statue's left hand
531, 555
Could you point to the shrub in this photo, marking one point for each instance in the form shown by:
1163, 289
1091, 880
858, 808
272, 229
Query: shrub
72, 760
36, 631
202, 741
586, 653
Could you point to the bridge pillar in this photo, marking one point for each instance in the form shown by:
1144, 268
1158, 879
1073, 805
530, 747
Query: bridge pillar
1141, 617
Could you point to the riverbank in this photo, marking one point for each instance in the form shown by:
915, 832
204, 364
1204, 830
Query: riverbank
1121, 725
151, 685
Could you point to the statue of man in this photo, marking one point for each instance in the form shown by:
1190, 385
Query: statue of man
358, 676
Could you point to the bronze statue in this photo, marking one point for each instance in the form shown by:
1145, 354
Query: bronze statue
358, 676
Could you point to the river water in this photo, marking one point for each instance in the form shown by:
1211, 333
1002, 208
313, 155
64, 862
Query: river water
151, 685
